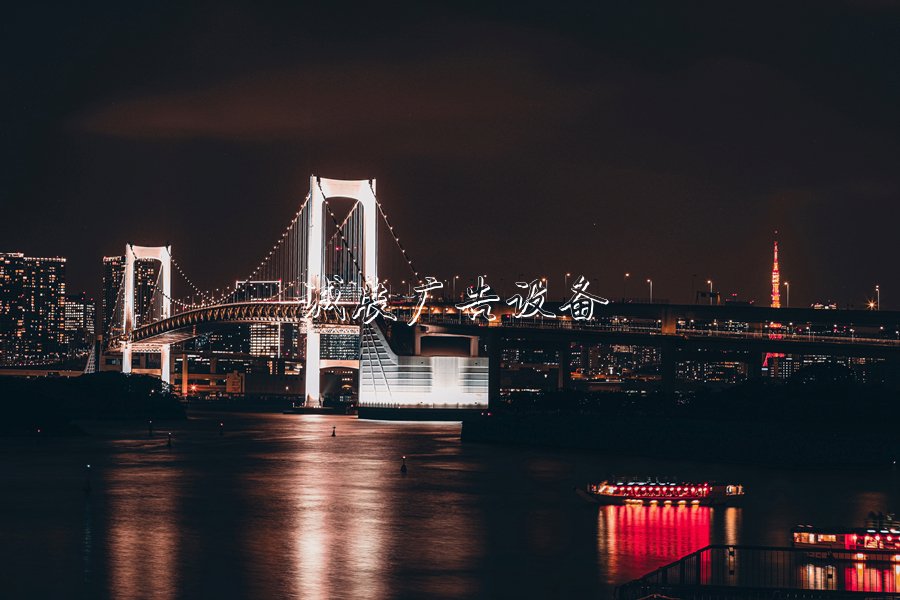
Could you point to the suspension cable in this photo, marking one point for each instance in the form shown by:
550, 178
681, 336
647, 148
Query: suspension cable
390, 227
212, 298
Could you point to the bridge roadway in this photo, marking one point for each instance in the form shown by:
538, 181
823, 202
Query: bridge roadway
683, 339
661, 325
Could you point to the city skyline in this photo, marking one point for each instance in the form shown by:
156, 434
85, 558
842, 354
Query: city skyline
868, 300
381, 300
668, 161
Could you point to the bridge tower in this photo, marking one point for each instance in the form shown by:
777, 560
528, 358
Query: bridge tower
320, 190
163, 254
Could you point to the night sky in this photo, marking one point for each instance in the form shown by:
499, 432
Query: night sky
534, 138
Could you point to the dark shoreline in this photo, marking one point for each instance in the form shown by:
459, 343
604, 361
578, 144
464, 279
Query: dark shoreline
744, 442
51, 406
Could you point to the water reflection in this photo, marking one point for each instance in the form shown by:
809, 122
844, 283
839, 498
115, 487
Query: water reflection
277, 508
818, 577
143, 533
854, 577
732, 523
340, 520
87, 544
865, 578
635, 539
335, 527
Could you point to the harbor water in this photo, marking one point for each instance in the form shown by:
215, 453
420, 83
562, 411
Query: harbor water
274, 506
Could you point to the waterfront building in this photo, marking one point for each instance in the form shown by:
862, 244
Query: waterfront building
264, 338
32, 308
339, 347
711, 371
79, 321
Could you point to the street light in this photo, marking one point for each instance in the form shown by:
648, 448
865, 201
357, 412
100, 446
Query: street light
787, 298
625, 281
650, 281
455, 277
566, 285
877, 297
709, 281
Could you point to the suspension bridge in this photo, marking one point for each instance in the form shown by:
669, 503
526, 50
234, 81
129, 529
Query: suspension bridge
325, 246
331, 245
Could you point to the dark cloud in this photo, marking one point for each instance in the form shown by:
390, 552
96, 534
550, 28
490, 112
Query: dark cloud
412, 105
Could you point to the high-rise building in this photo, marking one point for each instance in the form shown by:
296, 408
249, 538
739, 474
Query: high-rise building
146, 272
265, 338
256, 290
79, 324
32, 308
776, 281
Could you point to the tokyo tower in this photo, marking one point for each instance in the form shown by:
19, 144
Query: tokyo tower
776, 280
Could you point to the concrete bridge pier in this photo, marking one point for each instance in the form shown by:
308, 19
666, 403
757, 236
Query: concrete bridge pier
754, 365
184, 374
165, 363
668, 368
564, 377
494, 342
669, 322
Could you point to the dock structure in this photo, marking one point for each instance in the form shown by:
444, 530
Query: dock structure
725, 572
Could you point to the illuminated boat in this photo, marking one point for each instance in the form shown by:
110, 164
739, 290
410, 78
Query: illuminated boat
655, 492
879, 540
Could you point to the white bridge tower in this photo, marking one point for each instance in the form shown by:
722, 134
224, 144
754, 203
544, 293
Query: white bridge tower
163, 254
320, 190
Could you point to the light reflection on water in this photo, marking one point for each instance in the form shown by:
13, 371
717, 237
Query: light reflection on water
278, 508
143, 535
647, 536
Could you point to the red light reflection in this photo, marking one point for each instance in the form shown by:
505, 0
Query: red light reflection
865, 578
633, 540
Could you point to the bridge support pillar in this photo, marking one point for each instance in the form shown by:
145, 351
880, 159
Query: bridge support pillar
165, 363
564, 376
133, 253
320, 189
313, 362
668, 367
417, 340
494, 352
755, 365
669, 323
126, 357
185, 379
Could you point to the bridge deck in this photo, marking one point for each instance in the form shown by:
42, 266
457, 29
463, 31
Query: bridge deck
654, 325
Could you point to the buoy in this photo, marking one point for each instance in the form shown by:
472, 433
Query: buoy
403, 466
221, 428
150, 427
169, 443
333, 434
87, 479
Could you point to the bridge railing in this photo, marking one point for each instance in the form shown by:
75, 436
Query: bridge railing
285, 310
791, 336
721, 571
628, 327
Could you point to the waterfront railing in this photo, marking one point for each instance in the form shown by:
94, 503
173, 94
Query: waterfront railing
724, 572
